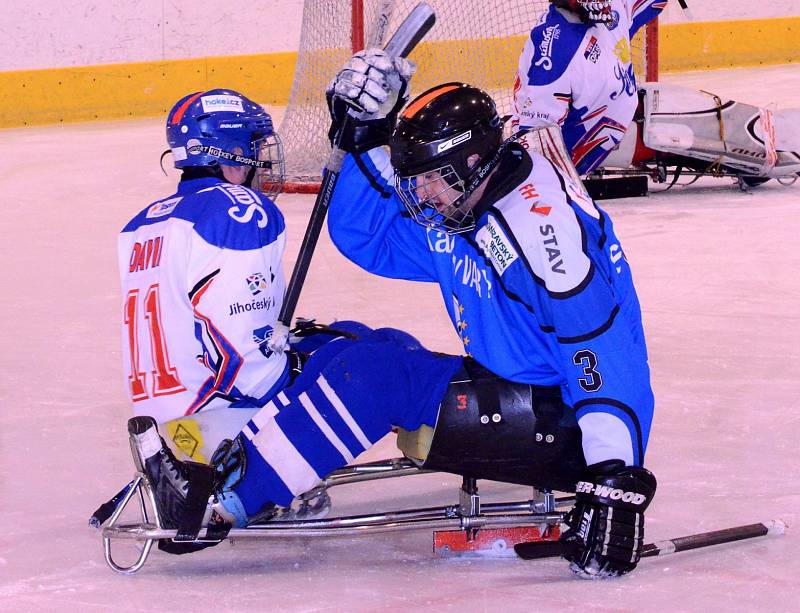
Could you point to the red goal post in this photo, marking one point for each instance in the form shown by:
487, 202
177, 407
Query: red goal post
475, 41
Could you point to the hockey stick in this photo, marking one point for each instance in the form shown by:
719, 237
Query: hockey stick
686, 10
377, 33
538, 550
414, 27
105, 510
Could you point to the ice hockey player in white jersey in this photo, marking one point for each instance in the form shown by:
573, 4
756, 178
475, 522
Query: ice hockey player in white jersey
537, 287
576, 70
201, 270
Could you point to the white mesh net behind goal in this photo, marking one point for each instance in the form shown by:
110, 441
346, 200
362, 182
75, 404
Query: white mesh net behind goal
474, 41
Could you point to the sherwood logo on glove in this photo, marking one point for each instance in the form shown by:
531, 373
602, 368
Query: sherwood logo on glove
604, 491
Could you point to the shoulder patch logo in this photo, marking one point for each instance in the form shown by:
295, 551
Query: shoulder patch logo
165, 207
257, 283
592, 51
528, 192
496, 246
551, 34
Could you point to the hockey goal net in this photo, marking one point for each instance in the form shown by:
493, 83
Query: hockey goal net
474, 41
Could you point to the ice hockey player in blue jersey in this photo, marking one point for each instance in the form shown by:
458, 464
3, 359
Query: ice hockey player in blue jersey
536, 285
576, 71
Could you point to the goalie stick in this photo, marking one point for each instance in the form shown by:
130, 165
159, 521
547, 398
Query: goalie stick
538, 550
414, 27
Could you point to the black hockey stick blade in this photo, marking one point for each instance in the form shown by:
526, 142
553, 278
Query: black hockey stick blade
106, 510
537, 550
413, 29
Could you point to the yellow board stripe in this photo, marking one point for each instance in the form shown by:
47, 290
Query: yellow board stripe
145, 89
148, 89
724, 44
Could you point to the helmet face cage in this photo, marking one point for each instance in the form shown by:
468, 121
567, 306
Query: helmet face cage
597, 11
442, 139
591, 11
216, 127
436, 199
270, 178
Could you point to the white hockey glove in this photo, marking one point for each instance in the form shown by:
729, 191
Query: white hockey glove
371, 88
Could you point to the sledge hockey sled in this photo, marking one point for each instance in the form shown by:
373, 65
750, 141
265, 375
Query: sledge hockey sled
511, 433
679, 132
469, 527
533, 441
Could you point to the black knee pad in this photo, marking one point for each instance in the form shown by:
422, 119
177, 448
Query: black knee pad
490, 428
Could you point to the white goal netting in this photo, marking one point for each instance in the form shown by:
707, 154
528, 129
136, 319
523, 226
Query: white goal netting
475, 41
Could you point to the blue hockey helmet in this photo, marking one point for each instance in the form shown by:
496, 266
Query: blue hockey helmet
221, 126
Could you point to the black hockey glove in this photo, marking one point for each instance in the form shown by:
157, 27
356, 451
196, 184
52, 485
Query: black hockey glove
606, 526
371, 88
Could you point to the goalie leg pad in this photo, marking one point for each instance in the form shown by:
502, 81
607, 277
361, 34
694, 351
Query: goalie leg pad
702, 126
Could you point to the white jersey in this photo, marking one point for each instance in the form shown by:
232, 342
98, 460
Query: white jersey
202, 285
580, 76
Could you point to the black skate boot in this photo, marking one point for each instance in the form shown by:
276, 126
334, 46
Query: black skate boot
188, 495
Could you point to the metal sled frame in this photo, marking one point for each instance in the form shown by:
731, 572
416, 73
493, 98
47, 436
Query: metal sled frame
469, 515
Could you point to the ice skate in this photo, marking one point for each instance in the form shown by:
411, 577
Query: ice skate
187, 495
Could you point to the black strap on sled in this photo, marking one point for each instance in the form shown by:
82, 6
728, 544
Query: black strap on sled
201, 482
548, 407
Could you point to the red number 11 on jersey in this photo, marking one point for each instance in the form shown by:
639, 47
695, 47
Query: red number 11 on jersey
165, 377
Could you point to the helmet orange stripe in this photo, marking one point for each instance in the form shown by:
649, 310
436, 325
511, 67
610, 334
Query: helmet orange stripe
178, 115
415, 106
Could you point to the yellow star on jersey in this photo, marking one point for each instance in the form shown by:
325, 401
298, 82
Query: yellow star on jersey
623, 51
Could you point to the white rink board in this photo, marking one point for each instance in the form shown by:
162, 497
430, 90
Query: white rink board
716, 271
55, 34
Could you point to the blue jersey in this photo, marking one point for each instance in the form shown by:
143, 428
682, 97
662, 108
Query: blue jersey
539, 292
581, 77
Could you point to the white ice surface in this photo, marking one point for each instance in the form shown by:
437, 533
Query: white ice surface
716, 270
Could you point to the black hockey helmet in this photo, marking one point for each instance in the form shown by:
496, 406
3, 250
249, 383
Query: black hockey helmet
438, 132
590, 11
